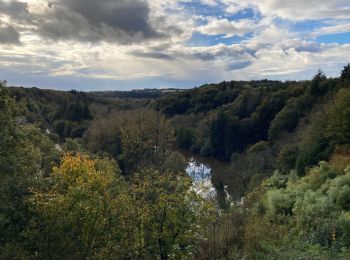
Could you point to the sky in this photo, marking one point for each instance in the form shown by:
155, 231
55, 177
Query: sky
136, 44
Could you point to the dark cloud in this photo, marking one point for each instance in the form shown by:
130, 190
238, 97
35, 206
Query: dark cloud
127, 15
205, 56
160, 47
122, 21
313, 48
62, 24
8, 35
223, 51
16, 10
152, 55
114, 21
239, 65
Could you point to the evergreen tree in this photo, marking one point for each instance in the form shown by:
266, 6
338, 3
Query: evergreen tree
345, 74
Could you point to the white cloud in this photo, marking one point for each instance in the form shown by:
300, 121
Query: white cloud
334, 29
295, 9
228, 28
210, 2
272, 34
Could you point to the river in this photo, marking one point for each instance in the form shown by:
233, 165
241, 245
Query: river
213, 178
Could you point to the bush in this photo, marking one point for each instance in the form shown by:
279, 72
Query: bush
344, 224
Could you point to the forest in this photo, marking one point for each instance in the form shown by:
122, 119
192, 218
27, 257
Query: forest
101, 175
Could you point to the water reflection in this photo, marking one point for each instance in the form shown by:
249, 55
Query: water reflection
214, 178
198, 171
201, 176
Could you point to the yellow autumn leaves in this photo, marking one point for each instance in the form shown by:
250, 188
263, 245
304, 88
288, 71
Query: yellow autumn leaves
87, 208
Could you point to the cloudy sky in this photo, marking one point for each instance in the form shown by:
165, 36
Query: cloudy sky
129, 44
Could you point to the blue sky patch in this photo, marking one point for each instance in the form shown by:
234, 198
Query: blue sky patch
340, 38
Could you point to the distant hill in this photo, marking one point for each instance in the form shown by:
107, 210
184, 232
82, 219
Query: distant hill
135, 93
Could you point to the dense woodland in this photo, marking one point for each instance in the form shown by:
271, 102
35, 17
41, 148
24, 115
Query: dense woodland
99, 176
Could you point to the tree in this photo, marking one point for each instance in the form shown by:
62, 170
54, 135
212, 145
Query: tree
345, 74
25, 155
338, 117
287, 158
218, 130
311, 153
169, 216
320, 85
82, 212
146, 136
184, 137
287, 119
103, 135
136, 138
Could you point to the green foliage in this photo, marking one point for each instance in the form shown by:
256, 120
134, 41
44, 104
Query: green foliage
136, 138
307, 215
338, 127
251, 167
145, 138
84, 200
287, 158
184, 137
315, 86
168, 214
73, 146
345, 74
344, 223
319, 149
230, 116
104, 135
288, 118
59, 127
25, 155
278, 204
67, 113
86, 209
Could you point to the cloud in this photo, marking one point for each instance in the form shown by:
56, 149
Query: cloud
334, 29
127, 15
310, 47
294, 10
149, 41
209, 2
191, 54
8, 35
228, 28
304, 10
271, 34
15, 9
239, 65
151, 55
122, 21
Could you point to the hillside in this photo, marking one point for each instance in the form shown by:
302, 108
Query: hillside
88, 176
221, 119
